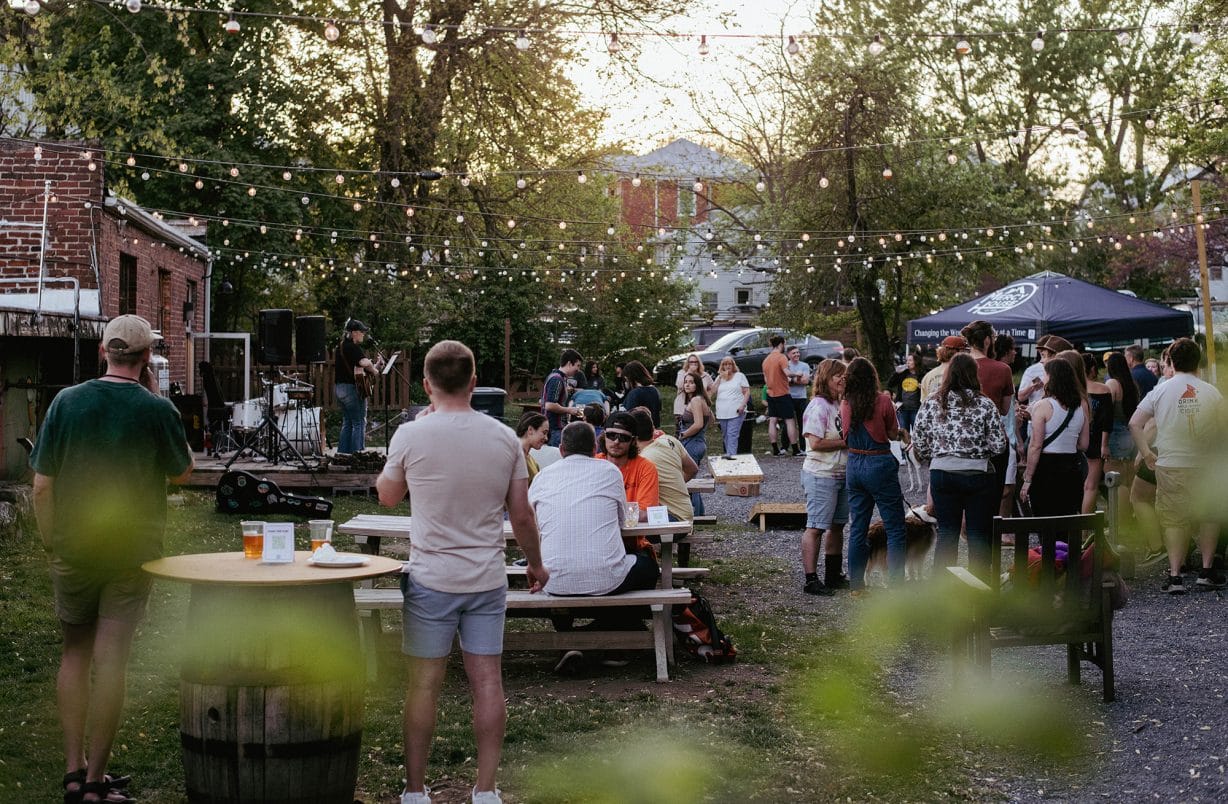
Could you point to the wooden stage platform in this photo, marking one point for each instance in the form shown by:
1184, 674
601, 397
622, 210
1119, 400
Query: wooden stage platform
288, 476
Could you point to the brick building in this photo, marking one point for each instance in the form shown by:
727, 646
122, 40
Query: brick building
102, 256
665, 198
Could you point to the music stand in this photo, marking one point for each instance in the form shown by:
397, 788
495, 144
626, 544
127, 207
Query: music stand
275, 441
391, 369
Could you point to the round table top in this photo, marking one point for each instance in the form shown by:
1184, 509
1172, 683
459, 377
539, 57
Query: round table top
232, 569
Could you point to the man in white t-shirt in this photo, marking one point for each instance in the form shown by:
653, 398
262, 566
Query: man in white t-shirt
1190, 415
461, 469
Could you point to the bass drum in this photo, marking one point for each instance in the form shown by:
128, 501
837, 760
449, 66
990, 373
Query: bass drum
302, 428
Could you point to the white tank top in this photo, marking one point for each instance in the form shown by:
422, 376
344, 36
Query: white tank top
1068, 440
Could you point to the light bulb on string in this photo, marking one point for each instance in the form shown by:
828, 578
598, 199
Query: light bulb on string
1149, 123
793, 48
522, 41
951, 157
1123, 37
1195, 37
234, 173
286, 175
823, 182
130, 161
1218, 109
428, 35
183, 167
200, 185
464, 180
32, 7
145, 175
331, 32
635, 180
133, 6
876, 46
703, 46
760, 185
887, 172
581, 177
251, 191
521, 183
232, 25
1038, 44
698, 186
963, 47
613, 46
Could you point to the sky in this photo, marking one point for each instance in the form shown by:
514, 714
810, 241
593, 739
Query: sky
645, 114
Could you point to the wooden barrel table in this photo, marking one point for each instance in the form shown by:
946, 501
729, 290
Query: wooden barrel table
272, 684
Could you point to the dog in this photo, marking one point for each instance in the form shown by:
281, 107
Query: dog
919, 536
902, 450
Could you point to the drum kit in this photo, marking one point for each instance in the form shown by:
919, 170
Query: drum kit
282, 424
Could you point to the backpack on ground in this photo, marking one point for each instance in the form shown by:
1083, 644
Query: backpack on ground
695, 626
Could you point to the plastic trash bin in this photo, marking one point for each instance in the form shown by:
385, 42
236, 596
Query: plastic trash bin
489, 401
747, 433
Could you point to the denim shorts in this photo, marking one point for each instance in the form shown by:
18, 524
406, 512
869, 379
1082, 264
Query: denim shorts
1121, 443
827, 501
431, 619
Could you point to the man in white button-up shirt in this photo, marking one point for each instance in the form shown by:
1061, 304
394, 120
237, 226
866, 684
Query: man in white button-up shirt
579, 504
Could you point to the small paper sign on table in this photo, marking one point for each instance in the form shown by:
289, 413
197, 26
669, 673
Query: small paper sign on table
658, 515
278, 543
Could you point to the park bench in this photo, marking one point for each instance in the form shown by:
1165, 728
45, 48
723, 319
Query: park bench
516, 574
1042, 605
660, 638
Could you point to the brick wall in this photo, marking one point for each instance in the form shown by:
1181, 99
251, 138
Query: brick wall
78, 220
655, 203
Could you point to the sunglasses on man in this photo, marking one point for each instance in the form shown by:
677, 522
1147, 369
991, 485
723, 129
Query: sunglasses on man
614, 435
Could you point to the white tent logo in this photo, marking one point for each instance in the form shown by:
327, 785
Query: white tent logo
1008, 298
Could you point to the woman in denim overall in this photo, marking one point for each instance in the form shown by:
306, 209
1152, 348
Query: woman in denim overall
873, 474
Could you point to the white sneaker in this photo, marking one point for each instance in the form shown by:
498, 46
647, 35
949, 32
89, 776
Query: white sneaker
488, 796
417, 798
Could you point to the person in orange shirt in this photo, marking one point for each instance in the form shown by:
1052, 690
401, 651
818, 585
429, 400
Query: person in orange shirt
640, 479
779, 401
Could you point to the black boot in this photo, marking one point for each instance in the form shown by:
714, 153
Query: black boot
833, 563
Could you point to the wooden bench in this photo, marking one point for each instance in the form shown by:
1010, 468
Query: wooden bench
660, 638
1042, 606
680, 573
783, 515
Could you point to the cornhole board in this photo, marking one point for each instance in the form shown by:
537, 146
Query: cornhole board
739, 474
780, 515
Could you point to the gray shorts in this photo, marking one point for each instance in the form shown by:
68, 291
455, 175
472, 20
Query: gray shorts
430, 620
83, 596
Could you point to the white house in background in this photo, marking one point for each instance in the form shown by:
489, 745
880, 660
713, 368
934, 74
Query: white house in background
659, 191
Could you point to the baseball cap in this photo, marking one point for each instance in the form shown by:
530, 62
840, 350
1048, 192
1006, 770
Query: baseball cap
354, 325
955, 342
127, 335
1054, 343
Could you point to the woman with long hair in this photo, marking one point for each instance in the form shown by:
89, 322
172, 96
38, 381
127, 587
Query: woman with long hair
692, 365
1124, 389
1053, 478
823, 481
959, 431
642, 391
730, 395
533, 431
693, 426
873, 475
1100, 409
905, 388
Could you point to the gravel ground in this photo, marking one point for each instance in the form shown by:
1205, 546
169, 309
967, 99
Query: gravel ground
1165, 738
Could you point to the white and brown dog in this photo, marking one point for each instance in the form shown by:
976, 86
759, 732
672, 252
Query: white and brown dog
920, 533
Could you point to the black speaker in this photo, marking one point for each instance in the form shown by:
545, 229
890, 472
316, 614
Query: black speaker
276, 334
309, 339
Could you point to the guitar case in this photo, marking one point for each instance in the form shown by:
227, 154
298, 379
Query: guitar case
241, 492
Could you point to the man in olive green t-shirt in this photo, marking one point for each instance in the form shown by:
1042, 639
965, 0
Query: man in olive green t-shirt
103, 457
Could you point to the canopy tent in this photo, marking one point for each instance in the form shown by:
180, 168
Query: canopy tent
1052, 303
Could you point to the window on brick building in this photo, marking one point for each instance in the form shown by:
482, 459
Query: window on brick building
189, 302
686, 203
1216, 272
164, 298
127, 284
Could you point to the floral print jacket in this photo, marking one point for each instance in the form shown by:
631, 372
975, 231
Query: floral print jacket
964, 431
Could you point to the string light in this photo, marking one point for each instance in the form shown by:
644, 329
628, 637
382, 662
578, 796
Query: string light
1123, 37
793, 48
876, 46
823, 182
614, 45
232, 25
951, 157
1038, 44
32, 7
963, 47
521, 183
428, 35
635, 180
522, 41
760, 185
703, 46
580, 177
133, 6
331, 32
888, 173
1195, 37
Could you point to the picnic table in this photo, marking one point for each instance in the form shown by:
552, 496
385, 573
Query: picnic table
369, 530
271, 691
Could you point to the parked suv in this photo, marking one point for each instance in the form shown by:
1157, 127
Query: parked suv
748, 347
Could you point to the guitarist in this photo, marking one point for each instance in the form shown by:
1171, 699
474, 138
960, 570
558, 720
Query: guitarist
353, 373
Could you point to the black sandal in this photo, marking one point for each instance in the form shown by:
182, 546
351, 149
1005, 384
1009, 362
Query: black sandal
106, 792
77, 778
